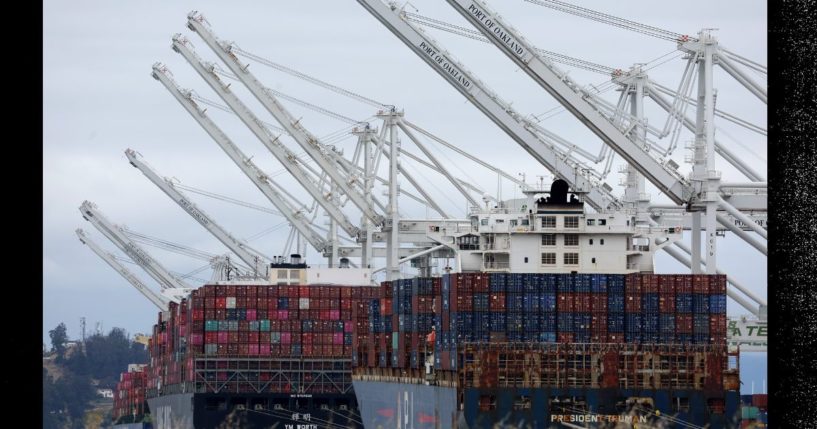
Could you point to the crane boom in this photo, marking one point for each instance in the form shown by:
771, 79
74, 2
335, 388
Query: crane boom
281, 153
571, 96
254, 261
309, 143
258, 177
152, 296
137, 253
513, 123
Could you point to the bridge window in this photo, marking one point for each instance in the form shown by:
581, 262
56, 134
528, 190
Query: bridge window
591, 222
548, 239
571, 239
549, 222
602, 222
571, 259
571, 221
548, 259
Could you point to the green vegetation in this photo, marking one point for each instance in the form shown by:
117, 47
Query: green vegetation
71, 378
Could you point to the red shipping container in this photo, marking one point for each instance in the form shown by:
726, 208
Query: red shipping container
252, 292
251, 314
264, 349
666, 284
717, 284
761, 401
261, 303
632, 303
221, 302
700, 283
583, 302
236, 337
650, 283
253, 349
252, 337
565, 337
261, 292
683, 323
286, 338
666, 303
598, 302
683, 283
242, 349
632, 284
717, 324
497, 302
223, 337
565, 303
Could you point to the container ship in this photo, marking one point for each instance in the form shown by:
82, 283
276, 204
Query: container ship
552, 318
241, 354
561, 323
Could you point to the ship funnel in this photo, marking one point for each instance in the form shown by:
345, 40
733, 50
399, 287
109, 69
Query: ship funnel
295, 258
344, 263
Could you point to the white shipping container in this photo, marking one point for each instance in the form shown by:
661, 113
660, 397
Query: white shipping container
230, 302
303, 304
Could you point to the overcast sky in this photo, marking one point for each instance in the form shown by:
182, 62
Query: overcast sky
99, 99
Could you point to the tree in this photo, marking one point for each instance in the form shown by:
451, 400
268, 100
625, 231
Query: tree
58, 339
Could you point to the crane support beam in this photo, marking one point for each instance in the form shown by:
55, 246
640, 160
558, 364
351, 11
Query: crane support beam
254, 261
281, 153
746, 81
415, 255
440, 167
139, 255
571, 96
724, 152
490, 104
730, 225
261, 180
152, 296
306, 140
742, 217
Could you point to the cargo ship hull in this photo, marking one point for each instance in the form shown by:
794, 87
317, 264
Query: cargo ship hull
389, 404
253, 411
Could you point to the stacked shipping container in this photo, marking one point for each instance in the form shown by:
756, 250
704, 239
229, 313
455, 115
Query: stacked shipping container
261, 323
540, 308
129, 397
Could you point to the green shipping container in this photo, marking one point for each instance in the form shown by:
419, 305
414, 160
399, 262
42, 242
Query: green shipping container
750, 413
211, 325
264, 325
394, 337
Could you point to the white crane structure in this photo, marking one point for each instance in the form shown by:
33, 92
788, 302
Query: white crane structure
281, 153
626, 138
261, 180
349, 183
110, 259
258, 264
117, 235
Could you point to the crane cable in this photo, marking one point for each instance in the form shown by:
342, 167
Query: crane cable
611, 20
292, 72
476, 35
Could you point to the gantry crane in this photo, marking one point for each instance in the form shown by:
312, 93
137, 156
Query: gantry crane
116, 234
261, 180
156, 299
514, 124
281, 153
257, 263
349, 183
